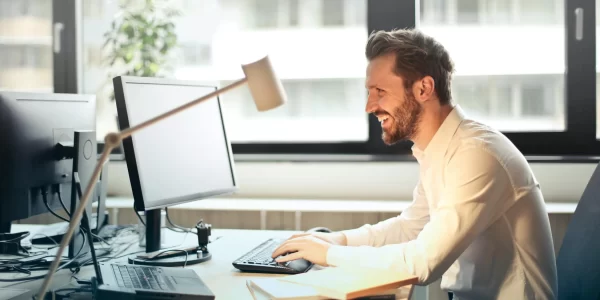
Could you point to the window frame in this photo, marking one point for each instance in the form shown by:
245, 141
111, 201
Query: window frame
577, 143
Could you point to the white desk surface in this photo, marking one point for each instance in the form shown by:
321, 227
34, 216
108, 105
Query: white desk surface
218, 274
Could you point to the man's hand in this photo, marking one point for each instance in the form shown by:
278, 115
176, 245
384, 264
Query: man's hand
305, 246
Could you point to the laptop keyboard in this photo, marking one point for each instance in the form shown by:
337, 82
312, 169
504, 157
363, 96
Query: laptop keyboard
139, 277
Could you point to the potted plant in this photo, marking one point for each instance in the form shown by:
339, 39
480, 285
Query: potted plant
140, 42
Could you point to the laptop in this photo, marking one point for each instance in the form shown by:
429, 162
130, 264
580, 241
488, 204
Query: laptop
125, 281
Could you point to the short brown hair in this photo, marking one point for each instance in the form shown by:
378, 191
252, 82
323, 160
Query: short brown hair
417, 56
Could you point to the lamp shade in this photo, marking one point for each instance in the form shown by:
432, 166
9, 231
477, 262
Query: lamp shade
265, 86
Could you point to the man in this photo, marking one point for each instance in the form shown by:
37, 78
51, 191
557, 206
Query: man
477, 219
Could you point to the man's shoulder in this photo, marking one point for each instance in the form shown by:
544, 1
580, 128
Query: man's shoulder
477, 137
473, 133
480, 141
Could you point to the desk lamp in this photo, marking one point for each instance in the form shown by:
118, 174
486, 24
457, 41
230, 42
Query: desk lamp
267, 92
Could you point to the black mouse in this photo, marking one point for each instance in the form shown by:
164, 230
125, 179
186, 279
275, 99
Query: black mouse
319, 229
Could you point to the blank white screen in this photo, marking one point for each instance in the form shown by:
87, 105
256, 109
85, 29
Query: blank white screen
186, 154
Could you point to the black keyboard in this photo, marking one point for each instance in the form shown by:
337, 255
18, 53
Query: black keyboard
259, 260
139, 277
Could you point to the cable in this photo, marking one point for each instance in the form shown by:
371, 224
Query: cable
10, 243
183, 229
56, 244
178, 250
138, 215
41, 276
62, 203
45, 198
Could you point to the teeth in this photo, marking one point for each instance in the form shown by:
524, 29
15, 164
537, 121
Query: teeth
381, 120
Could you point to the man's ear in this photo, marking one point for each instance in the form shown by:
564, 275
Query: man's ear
424, 89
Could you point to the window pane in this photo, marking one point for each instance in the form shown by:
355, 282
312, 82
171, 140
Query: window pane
504, 103
534, 102
333, 12
316, 47
266, 13
26, 45
503, 76
468, 11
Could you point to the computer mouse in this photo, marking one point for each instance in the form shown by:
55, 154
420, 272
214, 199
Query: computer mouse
319, 229
296, 266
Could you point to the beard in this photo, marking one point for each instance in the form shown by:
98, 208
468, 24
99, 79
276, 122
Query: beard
405, 119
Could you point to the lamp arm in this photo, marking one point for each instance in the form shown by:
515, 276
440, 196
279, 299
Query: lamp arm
131, 130
75, 219
112, 141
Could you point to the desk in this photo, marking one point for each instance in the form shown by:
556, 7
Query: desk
220, 276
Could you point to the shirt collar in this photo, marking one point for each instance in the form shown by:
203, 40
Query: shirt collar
441, 139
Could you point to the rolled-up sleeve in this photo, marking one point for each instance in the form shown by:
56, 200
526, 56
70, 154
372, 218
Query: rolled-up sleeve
475, 187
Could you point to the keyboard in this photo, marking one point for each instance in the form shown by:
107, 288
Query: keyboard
139, 277
259, 260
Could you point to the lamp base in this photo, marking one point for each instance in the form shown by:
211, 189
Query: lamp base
172, 261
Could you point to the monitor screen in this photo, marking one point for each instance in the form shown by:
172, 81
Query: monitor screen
183, 158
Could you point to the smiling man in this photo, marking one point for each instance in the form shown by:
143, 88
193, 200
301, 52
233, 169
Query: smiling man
477, 219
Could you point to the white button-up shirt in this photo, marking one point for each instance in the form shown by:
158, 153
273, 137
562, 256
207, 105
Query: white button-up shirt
477, 220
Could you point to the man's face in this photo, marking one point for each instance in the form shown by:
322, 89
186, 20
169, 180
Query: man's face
396, 107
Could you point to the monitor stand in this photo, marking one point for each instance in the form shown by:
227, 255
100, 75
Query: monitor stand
5, 226
174, 258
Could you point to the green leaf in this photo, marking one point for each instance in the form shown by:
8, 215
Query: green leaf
128, 57
153, 68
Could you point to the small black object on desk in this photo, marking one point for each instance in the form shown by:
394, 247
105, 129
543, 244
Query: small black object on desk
178, 257
203, 231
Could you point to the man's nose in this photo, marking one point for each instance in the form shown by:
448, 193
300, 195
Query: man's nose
371, 105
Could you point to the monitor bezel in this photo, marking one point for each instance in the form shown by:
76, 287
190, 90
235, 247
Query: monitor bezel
120, 83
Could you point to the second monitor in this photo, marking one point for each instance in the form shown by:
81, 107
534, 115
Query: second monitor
184, 158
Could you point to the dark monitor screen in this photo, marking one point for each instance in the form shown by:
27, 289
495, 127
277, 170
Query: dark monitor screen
31, 125
183, 158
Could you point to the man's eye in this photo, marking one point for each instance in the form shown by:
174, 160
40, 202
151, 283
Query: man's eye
379, 90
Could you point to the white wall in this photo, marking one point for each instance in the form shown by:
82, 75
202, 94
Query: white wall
561, 182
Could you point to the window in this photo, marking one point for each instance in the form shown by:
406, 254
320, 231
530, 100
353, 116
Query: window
480, 36
468, 11
266, 13
541, 11
293, 12
319, 59
511, 59
534, 102
93, 56
504, 101
25, 45
475, 97
434, 11
498, 11
93, 8
195, 54
333, 12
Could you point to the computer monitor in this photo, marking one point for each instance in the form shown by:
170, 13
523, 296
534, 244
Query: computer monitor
35, 130
184, 158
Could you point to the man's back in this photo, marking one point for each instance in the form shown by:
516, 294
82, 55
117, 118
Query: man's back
514, 257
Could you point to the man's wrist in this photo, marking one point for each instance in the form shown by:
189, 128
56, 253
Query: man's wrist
341, 238
356, 237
